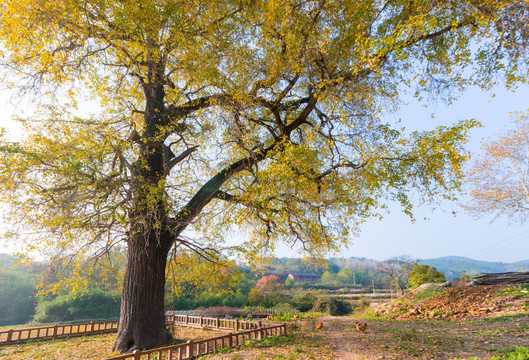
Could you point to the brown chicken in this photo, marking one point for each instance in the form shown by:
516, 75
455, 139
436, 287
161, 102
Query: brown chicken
361, 327
296, 316
319, 325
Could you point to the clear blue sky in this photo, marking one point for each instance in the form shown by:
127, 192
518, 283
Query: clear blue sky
443, 233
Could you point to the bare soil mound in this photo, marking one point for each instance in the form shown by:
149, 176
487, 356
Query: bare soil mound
439, 301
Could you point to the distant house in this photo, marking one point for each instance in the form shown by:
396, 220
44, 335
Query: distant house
303, 277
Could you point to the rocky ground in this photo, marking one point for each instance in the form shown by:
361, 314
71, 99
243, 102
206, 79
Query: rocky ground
458, 302
433, 322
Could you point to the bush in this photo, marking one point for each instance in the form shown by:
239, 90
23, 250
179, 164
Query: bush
423, 274
339, 307
289, 283
363, 303
238, 299
332, 306
17, 298
221, 311
303, 301
93, 305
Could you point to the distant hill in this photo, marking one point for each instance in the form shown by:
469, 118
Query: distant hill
452, 266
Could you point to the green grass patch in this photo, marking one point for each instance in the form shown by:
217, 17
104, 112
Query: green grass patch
507, 353
270, 341
499, 319
512, 353
519, 290
310, 315
428, 292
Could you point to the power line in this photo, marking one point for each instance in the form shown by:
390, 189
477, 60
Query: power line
499, 245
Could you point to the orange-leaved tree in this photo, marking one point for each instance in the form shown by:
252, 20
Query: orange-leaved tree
215, 115
499, 178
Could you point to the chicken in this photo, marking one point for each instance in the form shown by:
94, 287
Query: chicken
361, 327
319, 325
296, 316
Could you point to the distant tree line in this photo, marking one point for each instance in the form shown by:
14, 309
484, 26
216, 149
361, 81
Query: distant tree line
97, 295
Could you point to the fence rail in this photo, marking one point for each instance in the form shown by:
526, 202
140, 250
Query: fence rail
215, 323
57, 331
12, 336
194, 348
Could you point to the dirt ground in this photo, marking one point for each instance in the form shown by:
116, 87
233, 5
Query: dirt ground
394, 339
454, 323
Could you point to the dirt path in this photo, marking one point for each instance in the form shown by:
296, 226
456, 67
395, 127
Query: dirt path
393, 339
337, 340
398, 339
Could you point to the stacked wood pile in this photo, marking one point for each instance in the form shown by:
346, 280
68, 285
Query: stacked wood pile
518, 277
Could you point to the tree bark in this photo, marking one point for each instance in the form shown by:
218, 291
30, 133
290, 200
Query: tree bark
142, 318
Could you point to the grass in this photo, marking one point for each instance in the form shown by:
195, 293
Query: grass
428, 292
88, 347
508, 353
498, 319
273, 340
519, 290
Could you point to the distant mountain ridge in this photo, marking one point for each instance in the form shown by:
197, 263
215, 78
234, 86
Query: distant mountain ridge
453, 266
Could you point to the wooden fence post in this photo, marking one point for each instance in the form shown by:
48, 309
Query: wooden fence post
201, 321
137, 354
218, 323
9, 335
91, 326
187, 319
236, 324
230, 342
189, 349
284, 329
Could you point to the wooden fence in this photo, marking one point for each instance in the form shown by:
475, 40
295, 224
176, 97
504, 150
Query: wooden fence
211, 323
57, 331
195, 348
12, 336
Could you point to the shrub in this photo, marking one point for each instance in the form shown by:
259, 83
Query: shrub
423, 274
95, 304
289, 283
238, 299
363, 303
322, 304
17, 298
333, 306
303, 301
339, 307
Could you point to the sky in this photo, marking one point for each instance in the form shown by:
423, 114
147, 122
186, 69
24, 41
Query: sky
442, 233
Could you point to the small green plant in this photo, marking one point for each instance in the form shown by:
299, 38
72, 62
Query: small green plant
428, 292
311, 315
270, 341
512, 353
224, 350
363, 303
519, 290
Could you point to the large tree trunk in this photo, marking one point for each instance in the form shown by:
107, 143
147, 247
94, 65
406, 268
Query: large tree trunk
142, 318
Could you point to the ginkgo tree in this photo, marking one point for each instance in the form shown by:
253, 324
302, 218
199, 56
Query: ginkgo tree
218, 115
499, 178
